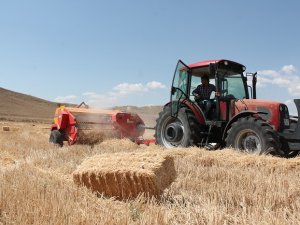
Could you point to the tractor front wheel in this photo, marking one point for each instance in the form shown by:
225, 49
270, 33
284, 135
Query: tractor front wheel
252, 135
56, 137
180, 131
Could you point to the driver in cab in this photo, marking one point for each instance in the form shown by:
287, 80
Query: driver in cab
203, 92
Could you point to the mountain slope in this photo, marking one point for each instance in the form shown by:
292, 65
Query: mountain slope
20, 107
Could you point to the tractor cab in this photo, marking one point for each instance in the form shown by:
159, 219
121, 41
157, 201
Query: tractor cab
227, 77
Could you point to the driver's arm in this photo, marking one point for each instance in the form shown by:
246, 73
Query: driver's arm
196, 92
215, 90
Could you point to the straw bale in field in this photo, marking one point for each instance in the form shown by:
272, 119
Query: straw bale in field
126, 175
5, 128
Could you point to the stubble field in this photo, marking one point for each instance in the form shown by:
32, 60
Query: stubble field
212, 187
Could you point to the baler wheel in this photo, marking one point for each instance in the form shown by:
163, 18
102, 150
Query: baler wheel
252, 135
56, 137
181, 131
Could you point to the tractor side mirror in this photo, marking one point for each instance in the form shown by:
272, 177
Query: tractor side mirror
212, 69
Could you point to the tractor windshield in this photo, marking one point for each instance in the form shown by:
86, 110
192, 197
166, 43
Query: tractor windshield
233, 85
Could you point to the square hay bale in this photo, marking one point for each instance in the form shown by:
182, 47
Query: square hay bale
5, 128
126, 175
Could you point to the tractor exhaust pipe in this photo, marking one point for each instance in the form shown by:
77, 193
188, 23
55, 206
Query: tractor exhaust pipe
254, 80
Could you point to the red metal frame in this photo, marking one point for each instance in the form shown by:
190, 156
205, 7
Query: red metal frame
207, 62
196, 110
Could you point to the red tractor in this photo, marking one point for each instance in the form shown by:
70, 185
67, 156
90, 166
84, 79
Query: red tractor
235, 119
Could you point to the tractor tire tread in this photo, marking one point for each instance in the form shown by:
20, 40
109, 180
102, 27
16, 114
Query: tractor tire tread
268, 136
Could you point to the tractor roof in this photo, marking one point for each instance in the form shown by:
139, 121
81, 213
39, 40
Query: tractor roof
207, 62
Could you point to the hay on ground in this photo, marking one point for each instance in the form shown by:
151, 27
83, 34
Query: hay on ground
92, 137
126, 175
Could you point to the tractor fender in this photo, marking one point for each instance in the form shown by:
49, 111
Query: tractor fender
194, 108
238, 116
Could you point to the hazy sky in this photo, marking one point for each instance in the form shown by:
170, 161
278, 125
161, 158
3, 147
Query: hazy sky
122, 52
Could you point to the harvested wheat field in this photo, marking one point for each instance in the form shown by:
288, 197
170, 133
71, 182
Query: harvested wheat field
211, 187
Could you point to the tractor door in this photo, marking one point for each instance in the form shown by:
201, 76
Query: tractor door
180, 86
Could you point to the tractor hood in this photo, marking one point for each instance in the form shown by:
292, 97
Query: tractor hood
268, 110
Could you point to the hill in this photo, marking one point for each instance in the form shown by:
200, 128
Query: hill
21, 107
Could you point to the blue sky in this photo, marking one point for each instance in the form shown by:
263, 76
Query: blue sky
124, 52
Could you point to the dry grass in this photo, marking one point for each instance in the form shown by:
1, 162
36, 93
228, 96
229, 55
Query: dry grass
127, 175
91, 137
212, 187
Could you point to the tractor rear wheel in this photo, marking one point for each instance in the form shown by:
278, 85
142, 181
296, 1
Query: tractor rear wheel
252, 135
56, 137
182, 131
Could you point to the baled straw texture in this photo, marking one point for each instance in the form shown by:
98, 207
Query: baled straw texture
126, 175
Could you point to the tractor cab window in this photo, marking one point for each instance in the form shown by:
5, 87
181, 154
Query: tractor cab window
179, 86
180, 81
233, 86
